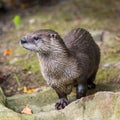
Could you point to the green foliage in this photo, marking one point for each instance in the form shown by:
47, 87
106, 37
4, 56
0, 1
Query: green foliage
17, 21
17, 80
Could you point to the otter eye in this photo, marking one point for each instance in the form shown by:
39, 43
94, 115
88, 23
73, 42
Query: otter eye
36, 38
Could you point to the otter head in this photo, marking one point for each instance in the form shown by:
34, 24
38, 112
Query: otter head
42, 41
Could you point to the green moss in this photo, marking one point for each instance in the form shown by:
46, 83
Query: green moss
111, 52
30, 63
44, 98
19, 51
105, 75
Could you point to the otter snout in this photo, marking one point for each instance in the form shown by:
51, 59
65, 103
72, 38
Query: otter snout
23, 40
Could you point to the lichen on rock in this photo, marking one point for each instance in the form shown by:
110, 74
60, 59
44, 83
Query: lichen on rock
98, 106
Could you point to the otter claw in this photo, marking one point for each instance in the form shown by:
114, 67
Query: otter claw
61, 103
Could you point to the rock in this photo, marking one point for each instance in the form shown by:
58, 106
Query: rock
99, 106
104, 37
31, 21
97, 35
2, 98
102, 106
36, 101
109, 38
117, 65
106, 65
2, 77
5, 113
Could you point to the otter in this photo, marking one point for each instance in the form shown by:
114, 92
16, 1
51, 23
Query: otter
65, 63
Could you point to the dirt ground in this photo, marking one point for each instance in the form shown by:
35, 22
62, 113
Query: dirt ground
13, 78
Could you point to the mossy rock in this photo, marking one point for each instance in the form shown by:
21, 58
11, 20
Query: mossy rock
35, 101
2, 98
101, 105
5, 113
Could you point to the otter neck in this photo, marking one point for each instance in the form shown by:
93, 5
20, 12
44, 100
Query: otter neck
55, 53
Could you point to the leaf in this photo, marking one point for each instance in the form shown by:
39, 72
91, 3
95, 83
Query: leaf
117, 38
25, 90
7, 52
24, 5
17, 21
26, 110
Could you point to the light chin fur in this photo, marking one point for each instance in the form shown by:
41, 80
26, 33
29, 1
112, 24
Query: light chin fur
29, 47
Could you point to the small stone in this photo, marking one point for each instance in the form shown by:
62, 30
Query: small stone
106, 65
31, 21
14, 60
99, 106
97, 35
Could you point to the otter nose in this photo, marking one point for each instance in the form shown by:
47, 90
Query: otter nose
23, 40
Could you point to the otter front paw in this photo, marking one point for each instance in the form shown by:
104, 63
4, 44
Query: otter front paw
61, 103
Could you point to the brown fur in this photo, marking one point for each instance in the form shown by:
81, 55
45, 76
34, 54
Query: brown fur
68, 62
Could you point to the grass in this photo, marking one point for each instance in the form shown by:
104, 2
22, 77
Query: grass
17, 80
107, 75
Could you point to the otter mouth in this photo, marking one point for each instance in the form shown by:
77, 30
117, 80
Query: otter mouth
28, 46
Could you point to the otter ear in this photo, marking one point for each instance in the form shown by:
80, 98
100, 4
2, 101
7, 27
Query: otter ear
53, 36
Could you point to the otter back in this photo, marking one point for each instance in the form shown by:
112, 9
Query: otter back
80, 41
